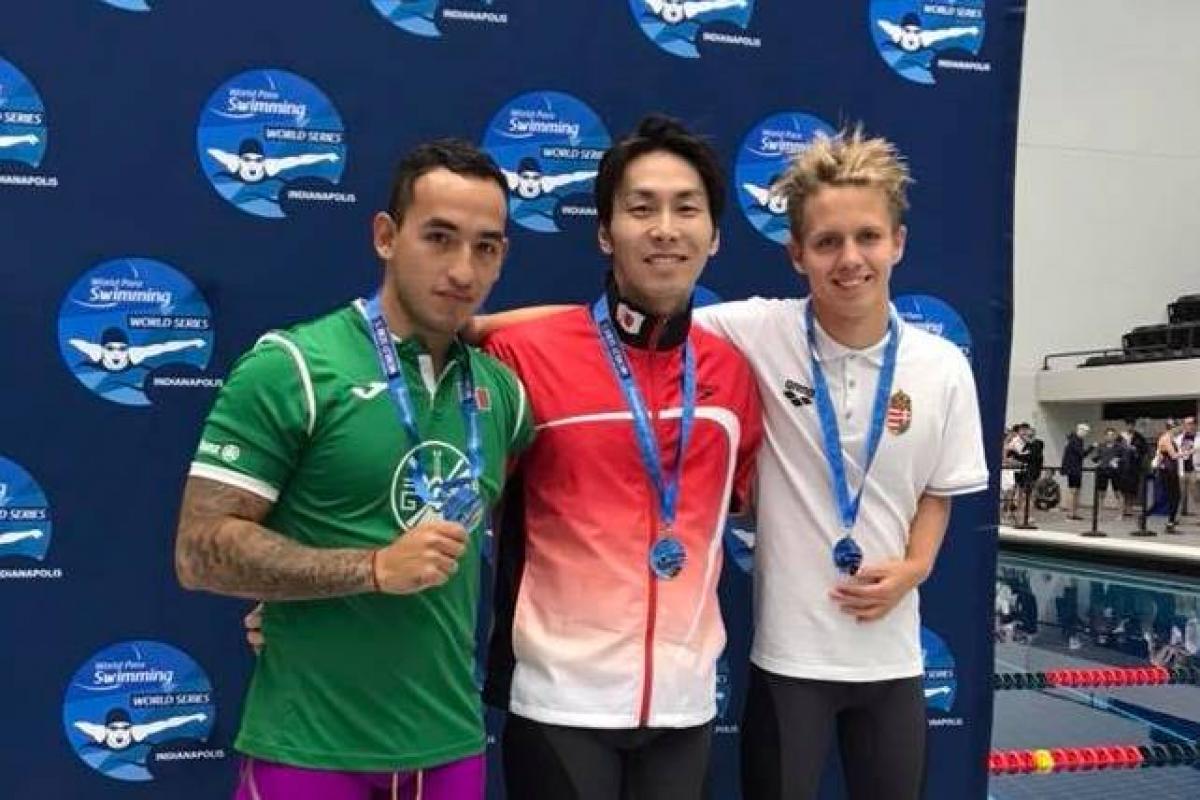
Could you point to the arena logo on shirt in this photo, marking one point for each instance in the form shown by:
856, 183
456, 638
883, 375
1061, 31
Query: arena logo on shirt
23, 131
936, 316
676, 25
133, 325
128, 5
444, 462
920, 39
26, 524
268, 136
765, 153
421, 17
138, 709
941, 679
548, 145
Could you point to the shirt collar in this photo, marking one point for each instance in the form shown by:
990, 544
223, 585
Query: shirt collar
637, 327
832, 350
411, 348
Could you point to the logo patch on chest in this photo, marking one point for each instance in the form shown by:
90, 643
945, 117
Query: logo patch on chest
899, 413
446, 464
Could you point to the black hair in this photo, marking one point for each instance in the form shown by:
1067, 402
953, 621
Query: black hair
654, 133
456, 155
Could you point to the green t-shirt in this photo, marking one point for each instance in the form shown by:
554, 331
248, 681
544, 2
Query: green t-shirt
370, 682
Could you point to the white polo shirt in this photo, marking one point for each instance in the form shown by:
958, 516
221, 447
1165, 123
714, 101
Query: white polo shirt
932, 444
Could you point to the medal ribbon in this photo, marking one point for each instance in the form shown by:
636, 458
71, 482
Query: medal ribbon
389, 364
666, 488
831, 436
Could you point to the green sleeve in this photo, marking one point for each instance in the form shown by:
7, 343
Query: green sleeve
262, 417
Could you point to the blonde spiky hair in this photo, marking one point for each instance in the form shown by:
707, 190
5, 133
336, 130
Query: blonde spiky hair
847, 159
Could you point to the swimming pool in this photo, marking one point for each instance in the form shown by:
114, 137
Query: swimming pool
1055, 613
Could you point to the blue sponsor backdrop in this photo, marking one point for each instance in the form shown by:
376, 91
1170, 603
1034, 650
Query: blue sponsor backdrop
107, 120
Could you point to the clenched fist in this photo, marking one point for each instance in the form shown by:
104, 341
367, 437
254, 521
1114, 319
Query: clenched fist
425, 556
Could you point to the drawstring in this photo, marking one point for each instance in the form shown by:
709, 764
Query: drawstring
248, 779
396, 785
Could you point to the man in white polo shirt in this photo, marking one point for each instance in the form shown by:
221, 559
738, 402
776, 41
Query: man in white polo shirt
849, 390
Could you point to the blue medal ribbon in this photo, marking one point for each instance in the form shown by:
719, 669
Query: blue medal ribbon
457, 500
668, 554
847, 555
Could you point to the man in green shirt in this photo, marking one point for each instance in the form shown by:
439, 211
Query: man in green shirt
343, 477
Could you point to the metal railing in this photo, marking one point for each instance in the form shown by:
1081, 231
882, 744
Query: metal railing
1127, 355
1023, 495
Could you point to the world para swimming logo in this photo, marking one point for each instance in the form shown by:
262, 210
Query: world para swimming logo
132, 324
137, 708
548, 145
941, 677
935, 316
26, 524
421, 17
268, 135
676, 25
918, 39
765, 154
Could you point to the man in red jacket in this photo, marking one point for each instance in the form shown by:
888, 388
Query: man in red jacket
608, 623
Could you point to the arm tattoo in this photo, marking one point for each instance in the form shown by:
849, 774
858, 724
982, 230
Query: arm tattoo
222, 547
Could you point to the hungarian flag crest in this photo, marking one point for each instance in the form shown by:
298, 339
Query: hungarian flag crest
899, 413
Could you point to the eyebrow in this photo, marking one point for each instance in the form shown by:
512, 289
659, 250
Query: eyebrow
647, 193
440, 224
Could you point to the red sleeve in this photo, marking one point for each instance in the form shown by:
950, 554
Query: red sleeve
750, 415
499, 346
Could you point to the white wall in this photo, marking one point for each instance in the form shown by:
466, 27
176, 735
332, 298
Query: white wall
1108, 180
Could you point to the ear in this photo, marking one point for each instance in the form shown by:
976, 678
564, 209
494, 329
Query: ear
383, 234
605, 240
901, 241
796, 254
716, 243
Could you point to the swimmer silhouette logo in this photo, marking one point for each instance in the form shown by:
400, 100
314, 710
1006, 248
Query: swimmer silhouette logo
128, 5
137, 707
23, 131
266, 135
134, 323
421, 17
941, 680
920, 39
548, 145
676, 25
25, 521
764, 155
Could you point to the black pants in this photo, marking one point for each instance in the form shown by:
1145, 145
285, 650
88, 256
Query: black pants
1171, 482
555, 762
789, 723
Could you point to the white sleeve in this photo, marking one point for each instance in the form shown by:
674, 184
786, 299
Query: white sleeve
961, 465
736, 322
